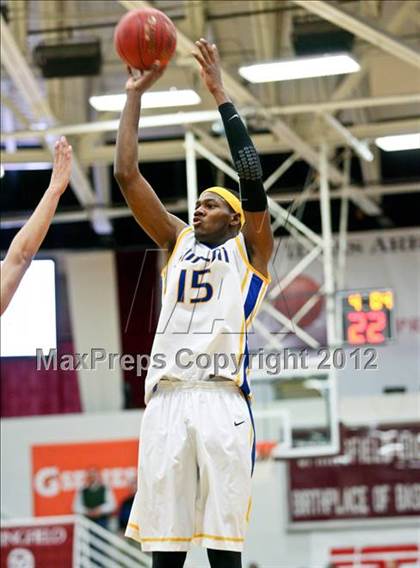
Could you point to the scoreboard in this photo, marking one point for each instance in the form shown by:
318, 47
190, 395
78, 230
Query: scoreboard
366, 316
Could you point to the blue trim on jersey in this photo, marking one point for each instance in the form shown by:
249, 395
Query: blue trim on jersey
245, 386
252, 296
247, 391
254, 443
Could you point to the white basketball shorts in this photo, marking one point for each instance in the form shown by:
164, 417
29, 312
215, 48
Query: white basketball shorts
194, 483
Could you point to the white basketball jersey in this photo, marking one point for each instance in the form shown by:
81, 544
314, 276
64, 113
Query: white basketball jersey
209, 298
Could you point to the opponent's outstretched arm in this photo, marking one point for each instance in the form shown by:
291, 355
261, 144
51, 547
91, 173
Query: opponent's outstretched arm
28, 240
257, 230
161, 226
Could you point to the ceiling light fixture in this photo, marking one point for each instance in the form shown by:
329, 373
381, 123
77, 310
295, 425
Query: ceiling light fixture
153, 99
25, 166
300, 68
399, 142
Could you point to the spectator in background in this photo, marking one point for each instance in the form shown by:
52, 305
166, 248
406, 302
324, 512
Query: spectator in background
95, 500
125, 508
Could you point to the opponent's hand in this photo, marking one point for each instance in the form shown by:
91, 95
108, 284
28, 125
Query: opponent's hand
208, 58
63, 156
143, 80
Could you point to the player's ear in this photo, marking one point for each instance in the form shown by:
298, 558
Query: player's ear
235, 220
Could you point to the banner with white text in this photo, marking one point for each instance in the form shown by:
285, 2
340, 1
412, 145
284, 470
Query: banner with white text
59, 470
37, 546
376, 475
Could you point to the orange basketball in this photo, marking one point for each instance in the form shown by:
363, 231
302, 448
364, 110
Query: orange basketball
142, 36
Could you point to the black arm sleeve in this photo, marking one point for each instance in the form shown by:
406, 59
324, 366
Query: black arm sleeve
245, 158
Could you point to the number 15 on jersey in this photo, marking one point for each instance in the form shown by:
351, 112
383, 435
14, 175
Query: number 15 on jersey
192, 286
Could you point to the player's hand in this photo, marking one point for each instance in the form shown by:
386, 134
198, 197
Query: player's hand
140, 81
60, 176
208, 58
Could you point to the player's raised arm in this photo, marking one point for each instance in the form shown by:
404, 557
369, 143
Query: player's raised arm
28, 240
147, 208
257, 230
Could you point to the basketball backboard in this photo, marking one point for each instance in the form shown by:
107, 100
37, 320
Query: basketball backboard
296, 414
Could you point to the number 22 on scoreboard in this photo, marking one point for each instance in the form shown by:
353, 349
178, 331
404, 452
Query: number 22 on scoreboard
366, 327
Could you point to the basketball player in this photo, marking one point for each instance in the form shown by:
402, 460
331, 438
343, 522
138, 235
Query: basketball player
28, 240
197, 438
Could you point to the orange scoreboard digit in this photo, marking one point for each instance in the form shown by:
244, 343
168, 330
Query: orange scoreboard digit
367, 316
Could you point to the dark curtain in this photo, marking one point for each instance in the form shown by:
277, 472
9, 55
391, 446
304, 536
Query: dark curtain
26, 391
139, 302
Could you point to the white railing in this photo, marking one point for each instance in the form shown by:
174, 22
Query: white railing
95, 546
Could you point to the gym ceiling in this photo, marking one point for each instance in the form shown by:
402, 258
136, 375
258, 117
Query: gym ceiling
288, 119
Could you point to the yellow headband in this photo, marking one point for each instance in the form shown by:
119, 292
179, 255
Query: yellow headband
231, 199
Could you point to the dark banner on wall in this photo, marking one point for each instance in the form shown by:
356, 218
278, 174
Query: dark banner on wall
38, 545
377, 475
